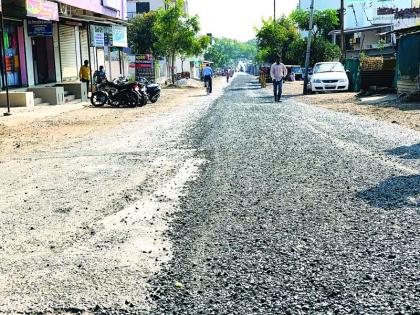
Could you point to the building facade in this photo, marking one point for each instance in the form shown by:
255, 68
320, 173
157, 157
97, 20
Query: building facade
319, 4
135, 7
46, 42
162, 67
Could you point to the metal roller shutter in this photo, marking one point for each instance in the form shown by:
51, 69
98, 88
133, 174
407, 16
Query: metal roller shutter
84, 48
68, 53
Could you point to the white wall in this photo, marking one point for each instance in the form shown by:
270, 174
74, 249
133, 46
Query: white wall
29, 56
320, 4
365, 13
154, 5
56, 53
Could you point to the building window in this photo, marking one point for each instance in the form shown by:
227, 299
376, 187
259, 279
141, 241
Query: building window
142, 7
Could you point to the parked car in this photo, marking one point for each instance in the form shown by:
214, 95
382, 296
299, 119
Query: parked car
329, 76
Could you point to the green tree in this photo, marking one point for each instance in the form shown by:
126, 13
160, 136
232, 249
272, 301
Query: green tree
274, 39
176, 32
226, 52
141, 38
324, 21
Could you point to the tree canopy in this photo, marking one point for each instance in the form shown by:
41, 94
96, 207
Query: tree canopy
274, 39
141, 38
226, 52
176, 33
283, 37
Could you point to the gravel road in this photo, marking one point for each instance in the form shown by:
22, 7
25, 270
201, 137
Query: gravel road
230, 204
298, 210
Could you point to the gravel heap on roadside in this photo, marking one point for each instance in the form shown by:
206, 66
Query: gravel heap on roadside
285, 219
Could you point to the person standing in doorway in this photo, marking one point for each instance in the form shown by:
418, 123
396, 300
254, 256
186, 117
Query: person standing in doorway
278, 73
84, 74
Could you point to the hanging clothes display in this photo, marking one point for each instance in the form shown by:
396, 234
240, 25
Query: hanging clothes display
12, 58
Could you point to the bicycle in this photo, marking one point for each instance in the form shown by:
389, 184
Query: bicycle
207, 86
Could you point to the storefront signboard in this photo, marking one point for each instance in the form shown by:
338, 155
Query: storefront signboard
399, 13
99, 40
101, 36
119, 36
37, 28
144, 65
42, 9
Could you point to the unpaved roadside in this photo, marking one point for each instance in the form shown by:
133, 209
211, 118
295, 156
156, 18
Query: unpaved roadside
54, 126
83, 225
407, 115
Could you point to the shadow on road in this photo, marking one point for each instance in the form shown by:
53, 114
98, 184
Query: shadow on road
244, 88
395, 192
406, 152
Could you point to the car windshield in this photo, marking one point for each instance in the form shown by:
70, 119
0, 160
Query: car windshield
297, 69
328, 67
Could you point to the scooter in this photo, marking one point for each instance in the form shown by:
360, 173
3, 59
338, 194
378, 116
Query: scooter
152, 90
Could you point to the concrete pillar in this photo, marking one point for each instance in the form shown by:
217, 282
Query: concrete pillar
56, 53
29, 55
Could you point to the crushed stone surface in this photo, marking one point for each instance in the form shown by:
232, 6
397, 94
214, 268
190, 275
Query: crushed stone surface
298, 210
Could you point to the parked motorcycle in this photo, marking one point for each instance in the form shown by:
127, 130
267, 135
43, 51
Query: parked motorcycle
152, 90
118, 93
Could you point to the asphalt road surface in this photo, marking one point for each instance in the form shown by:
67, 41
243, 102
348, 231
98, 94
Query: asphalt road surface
232, 204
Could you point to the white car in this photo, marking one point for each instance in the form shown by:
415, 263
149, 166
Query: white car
329, 76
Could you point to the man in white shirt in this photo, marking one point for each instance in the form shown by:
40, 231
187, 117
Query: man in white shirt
278, 73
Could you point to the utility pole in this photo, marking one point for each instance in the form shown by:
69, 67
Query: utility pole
308, 48
274, 15
342, 38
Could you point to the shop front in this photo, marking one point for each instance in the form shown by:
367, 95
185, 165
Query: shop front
108, 43
43, 53
14, 49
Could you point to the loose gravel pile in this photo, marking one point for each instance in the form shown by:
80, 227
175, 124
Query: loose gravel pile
299, 210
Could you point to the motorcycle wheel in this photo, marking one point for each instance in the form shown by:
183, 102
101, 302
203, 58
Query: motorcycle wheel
143, 100
132, 99
155, 98
99, 99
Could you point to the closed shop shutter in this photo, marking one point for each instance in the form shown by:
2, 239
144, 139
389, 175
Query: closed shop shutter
84, 44
68, 53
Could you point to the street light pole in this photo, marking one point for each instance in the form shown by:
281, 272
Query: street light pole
274, 10
342, 39
308, 48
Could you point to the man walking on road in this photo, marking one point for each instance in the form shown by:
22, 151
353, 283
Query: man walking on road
278, 73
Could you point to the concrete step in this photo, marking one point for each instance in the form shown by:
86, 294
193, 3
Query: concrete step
69, 98
43, 104
37, 100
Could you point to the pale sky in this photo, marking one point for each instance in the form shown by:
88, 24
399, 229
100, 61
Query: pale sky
236, 18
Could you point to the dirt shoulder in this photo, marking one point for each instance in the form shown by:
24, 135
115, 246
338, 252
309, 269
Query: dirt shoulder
407, 114
48, 127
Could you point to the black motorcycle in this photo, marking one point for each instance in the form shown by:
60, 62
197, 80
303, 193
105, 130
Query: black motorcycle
118, 93
152, 90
